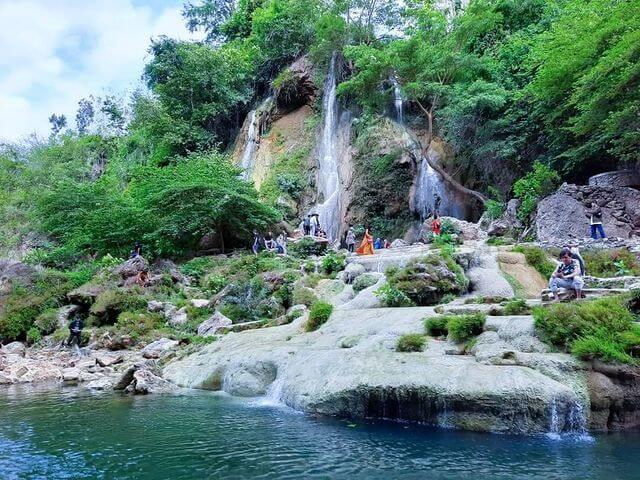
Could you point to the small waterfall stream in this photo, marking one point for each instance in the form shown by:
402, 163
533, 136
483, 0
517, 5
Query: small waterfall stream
431, 191
328, 180
248, 158
567, 420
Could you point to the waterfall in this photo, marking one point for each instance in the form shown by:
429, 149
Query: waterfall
398, 100
247, 160
328, 177
571, 421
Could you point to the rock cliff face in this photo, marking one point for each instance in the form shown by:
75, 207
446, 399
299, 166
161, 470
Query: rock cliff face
561, 216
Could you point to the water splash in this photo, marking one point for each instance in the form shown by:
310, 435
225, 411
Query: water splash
328, 177
567, 421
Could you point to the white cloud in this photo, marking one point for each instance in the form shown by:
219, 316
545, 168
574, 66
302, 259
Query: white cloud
56, 52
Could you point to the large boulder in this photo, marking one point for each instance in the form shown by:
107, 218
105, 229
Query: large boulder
132, 267
562, 216
145, 382
159, 348
13, 272
214, 324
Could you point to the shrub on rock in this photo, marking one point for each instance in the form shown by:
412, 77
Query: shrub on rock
603, 328
411, 342
333, 262
436, 326
428, 280
110, 303
365, 280
318, 314
517, 306
391, 296
303, 296
464, 327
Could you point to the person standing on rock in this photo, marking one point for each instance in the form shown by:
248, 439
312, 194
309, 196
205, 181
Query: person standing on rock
366, 247
255, 246
436, 225
281, 243
75, 331
567, 276
306, 225
595, 216
350, 239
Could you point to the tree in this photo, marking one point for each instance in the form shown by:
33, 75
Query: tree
209, 16
58, 122
84, 115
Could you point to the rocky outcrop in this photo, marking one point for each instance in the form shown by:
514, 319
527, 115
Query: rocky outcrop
214, 324
349, 368
562, 216
615, 397
508, 224
619, 178
295, 86
485, 277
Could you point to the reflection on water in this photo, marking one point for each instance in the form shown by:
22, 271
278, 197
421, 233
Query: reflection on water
76, 434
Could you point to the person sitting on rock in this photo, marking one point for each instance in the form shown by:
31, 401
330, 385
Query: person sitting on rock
575, 253
269, 242
281, 243
75, 331
350, 239
377, 244
595, 217
567, 276
386, 243
137, 250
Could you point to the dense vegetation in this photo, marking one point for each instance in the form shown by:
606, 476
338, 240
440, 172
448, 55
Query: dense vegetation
519, 89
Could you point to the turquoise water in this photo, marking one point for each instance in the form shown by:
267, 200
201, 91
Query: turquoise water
81, 435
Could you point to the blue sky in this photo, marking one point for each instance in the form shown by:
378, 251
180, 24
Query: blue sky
55, 52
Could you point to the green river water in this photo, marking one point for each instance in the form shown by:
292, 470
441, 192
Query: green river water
75, 434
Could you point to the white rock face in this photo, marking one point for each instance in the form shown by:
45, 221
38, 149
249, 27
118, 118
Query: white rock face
14, 348
159, 348
486, 279
349, 367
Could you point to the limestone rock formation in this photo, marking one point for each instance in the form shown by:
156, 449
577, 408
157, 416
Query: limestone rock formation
159, 348
214, 324
296, 86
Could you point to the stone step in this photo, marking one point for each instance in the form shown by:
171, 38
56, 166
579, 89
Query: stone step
588, 292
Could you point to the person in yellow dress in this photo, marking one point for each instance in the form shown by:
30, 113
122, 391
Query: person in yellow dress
366, 247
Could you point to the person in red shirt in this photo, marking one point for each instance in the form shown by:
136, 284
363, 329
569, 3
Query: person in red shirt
436, 225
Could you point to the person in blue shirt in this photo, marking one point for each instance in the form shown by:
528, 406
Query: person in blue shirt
377, 244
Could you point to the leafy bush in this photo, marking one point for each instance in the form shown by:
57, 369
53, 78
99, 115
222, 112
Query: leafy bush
333, 262
110, 303
303, 296
447, 227
537, 258
517, 306
33, 336
197, 267
363, 281
538, 183
390, 296
611, 263
214, 282
602, 328
47, 321
494, 209
463, 327
306, 247
436, 326
427, 280
319, 313
411, 342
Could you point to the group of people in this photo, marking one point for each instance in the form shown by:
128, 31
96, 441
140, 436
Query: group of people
268, 243
311, 226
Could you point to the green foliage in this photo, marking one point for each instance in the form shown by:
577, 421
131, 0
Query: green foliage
517, 306
319, 313
306, 247
333, 262
411, 342
391, 296
535, 185
47, 321
537, 258
363, 281
436, 326
463, 327
110, 303
33, 336
611, 263
170, 208
214, 282
138, 325
494, 209
602, 328
427, 280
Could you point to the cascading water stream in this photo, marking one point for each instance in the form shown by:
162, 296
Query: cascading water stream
328, 177
247, 161
572, 422
430, 187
